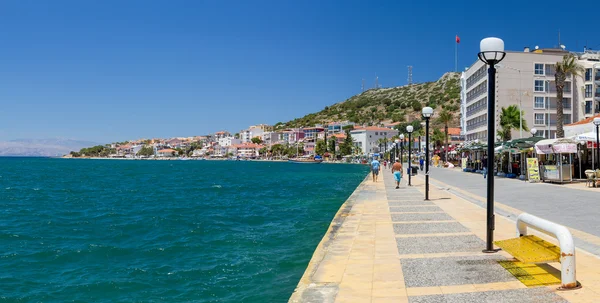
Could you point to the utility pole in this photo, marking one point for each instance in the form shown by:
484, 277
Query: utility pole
376, 82
362, 87
410, 75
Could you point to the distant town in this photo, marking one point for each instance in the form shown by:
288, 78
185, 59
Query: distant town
334, 140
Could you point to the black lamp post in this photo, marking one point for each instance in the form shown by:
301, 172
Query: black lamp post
409, 129
427, 113
397, 141
491, 53
401, 147
597, 123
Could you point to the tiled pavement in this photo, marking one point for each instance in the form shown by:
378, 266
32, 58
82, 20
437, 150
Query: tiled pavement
388, 245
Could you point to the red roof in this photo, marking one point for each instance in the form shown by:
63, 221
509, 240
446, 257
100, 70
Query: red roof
585, 121
168, 150
452, 131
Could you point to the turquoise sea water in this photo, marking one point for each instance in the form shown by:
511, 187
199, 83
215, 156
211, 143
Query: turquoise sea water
162, 231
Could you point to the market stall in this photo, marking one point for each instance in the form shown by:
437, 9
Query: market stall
556, 159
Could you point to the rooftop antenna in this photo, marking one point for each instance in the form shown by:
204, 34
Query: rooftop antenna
559, 38
362, 86
409, 75
376, 81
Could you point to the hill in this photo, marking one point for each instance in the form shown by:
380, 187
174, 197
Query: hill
41, 147
396, 104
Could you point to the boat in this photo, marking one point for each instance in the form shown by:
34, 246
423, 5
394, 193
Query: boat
308, 160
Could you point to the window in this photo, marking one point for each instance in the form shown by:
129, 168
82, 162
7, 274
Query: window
588, 90
566, 103
539, 102
376, 134
567, 88
539, 85
588, 74
538, 119
539, 69
588, 107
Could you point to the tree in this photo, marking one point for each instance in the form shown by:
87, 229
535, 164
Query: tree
568, 66
346, 146
437, 137
445, 118
277, 149
320, 147
146, 151
509, 120
256, 140
262, 151
332, 142
75, 154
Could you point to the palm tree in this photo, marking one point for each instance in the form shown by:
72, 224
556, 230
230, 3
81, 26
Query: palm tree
445, 117
511, 118
568, 66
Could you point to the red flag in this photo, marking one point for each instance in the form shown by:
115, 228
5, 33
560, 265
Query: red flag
457, 39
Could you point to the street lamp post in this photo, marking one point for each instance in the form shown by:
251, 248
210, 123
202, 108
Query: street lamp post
409, 129
397, 141
491, 53
597, 123
533, 131
427, 113
401, 147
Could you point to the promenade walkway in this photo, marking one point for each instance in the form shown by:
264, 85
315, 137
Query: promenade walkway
388, 245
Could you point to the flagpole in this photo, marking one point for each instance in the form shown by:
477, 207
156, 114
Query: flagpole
456, 55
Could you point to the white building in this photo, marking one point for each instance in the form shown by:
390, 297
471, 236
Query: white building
589, 84
228, 141
524, 79
367, 139
247, 134
247, 150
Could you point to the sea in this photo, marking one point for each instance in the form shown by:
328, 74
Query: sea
80, 230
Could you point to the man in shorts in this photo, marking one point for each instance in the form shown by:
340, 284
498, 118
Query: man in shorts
397, 171
375, 169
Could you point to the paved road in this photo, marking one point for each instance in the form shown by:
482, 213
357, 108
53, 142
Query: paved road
579, 209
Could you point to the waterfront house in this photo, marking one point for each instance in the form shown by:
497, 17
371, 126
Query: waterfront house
366, 139
167, 152
247, 150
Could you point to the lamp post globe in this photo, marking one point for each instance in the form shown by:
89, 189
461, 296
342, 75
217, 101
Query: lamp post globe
427, 114
533, 131
491, 52
397, 141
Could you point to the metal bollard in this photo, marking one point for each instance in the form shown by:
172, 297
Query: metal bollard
565, 241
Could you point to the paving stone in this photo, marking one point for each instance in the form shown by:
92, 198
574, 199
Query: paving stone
415, 208
407, 203
524, 295
448, 271
421, 217
429, 228
433, 245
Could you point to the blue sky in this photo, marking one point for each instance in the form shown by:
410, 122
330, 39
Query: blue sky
117, 70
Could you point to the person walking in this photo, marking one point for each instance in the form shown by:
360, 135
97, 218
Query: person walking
375, 169
484, 163
397, 171
421, 163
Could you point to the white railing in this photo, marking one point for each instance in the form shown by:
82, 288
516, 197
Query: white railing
565, 241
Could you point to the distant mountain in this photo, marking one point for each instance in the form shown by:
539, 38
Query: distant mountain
395, 104
41, 147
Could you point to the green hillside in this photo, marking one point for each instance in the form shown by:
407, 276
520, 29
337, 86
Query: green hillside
396, 104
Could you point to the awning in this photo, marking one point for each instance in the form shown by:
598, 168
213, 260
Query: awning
556, 146
591, 136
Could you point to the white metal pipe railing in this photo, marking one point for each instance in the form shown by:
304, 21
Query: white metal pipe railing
565, 241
